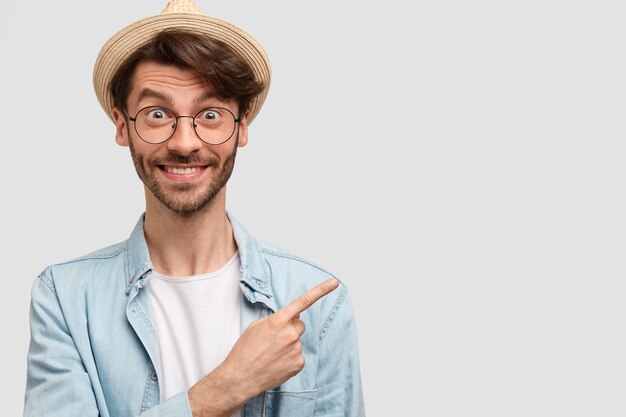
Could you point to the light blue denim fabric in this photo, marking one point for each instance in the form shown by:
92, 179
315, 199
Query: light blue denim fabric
93, 344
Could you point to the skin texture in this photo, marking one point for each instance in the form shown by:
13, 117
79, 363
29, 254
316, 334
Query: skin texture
188, 232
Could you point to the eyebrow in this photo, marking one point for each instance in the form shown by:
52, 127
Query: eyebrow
204, 97
150, 93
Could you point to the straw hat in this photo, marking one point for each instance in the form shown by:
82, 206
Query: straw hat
180, 14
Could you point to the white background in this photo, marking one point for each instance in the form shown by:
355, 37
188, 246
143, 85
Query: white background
460, 165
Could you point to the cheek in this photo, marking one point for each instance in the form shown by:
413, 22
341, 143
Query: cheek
218, 153
142, 150
139, 157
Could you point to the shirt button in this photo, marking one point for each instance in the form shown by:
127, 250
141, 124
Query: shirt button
153, 376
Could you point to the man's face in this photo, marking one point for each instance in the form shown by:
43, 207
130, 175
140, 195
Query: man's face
184, 174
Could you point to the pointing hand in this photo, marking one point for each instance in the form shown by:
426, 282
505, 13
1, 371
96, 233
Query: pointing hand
268, 353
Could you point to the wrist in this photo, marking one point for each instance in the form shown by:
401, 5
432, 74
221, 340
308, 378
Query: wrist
216, 395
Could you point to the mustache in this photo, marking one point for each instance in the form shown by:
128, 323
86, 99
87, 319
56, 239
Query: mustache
176, 159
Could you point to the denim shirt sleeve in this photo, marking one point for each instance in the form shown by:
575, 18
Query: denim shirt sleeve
58, 383
339, 391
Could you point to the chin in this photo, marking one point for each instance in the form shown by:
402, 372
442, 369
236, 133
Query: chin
186, 205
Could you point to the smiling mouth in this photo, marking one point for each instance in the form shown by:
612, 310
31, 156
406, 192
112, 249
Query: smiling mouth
181, 171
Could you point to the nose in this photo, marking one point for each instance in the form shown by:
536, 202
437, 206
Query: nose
184, 141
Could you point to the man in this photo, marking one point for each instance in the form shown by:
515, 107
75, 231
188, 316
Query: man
191, 315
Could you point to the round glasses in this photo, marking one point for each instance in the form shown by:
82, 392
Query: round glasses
213, 125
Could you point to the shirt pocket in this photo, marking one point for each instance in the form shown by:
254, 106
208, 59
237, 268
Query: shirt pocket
290, 403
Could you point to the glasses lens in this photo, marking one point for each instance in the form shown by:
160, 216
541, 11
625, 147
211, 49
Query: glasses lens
215, 125
155, 124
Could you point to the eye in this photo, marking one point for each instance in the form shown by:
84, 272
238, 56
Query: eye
209, 115
157, 113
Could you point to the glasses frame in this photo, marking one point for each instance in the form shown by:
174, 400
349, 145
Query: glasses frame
193, 123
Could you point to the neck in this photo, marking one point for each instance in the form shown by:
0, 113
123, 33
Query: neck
190, 244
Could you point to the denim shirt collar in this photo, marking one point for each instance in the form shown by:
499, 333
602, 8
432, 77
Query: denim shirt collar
138, 263
254, 274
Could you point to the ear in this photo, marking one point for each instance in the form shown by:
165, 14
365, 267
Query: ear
121, 127
243, 130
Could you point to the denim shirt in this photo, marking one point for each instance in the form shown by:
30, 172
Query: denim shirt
93, 343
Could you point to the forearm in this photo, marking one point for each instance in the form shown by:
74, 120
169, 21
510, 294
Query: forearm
216, 395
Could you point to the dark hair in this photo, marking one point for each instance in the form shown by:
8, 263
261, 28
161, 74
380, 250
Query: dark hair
228, 74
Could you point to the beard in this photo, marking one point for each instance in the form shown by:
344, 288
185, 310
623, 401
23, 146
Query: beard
184, 199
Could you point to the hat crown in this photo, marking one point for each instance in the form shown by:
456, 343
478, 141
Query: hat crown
185, 15
181, 6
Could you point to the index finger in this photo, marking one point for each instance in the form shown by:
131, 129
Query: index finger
307, 299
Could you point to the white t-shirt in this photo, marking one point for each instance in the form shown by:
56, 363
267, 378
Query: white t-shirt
197, 322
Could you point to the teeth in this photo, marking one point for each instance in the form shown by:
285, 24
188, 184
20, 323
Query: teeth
183, 171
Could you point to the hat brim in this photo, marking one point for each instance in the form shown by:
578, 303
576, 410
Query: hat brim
125, 42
